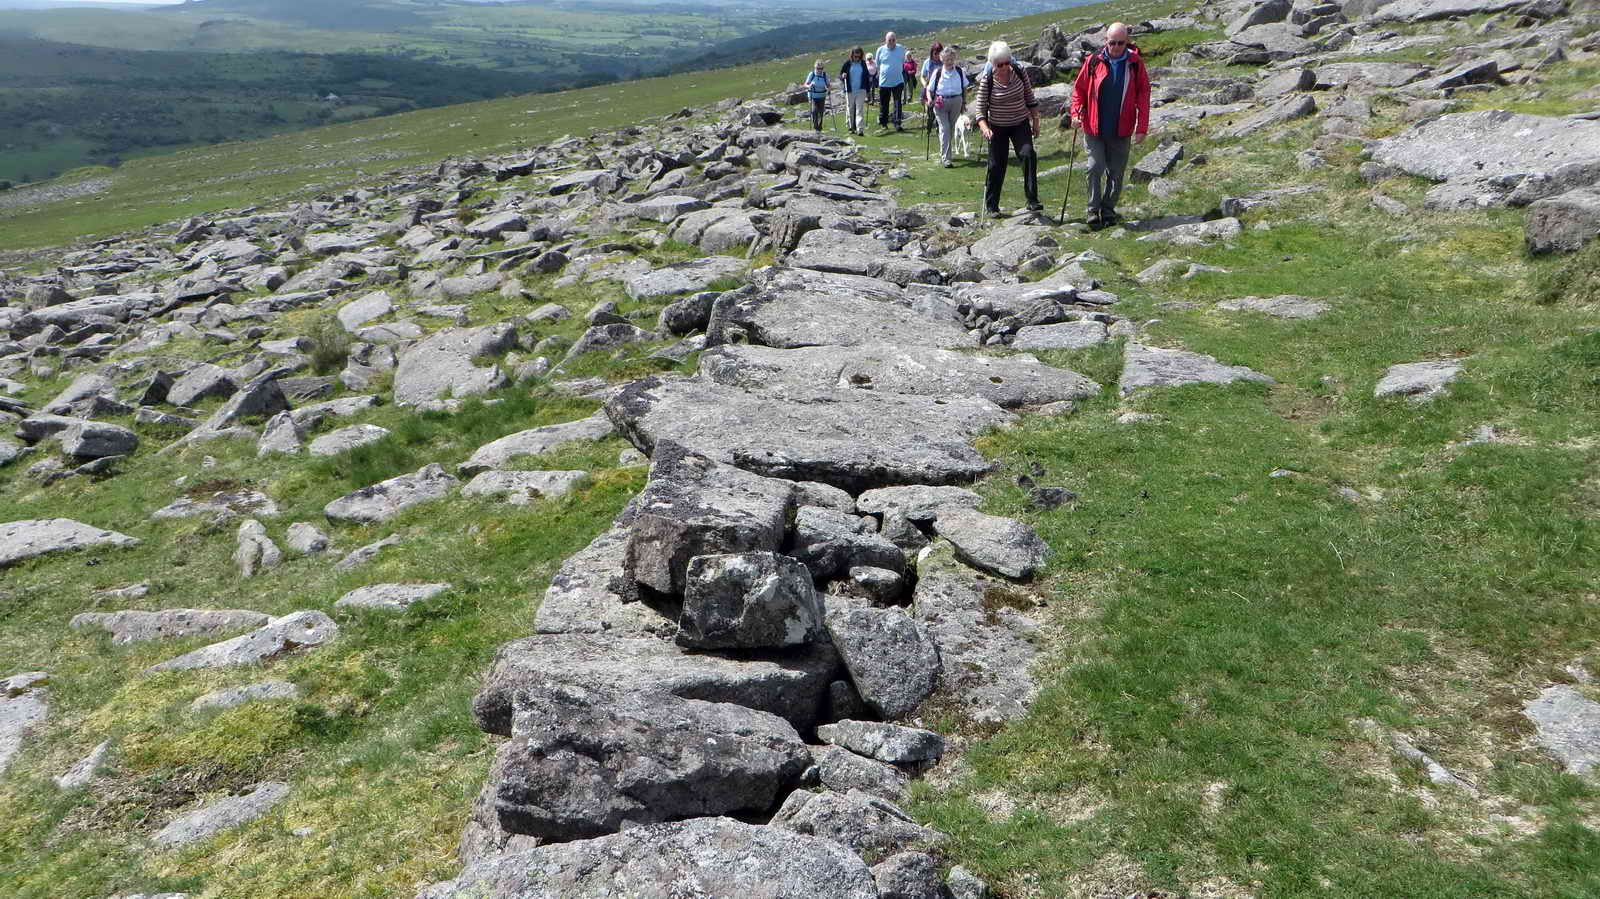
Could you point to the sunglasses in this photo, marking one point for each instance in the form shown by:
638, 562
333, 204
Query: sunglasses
1116, 43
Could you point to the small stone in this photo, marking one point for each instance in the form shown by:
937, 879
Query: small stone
520, 488
84, 771
280, 636
884, 742
359, 557
233, 696
306, 538
346, 439
389, 597
1004, 546
256, 552
1418, 382
909, 875
223, 815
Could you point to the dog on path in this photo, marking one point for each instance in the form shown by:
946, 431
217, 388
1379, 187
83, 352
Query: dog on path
964, 125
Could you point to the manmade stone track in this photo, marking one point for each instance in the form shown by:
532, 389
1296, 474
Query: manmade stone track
716, 696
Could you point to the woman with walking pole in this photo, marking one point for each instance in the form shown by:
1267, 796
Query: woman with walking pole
946, 91
856, 85
1008, 116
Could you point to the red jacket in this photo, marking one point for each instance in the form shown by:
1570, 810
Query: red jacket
1135, 95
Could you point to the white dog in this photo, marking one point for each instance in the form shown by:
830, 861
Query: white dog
964, 124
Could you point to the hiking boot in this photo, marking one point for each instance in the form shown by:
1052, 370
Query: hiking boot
1035, 206
1110, 218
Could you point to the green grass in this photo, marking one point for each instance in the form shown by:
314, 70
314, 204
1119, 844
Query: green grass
1214, 634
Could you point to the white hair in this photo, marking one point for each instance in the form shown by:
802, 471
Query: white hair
999, 50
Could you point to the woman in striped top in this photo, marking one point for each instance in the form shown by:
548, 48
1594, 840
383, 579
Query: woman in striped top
1008, 115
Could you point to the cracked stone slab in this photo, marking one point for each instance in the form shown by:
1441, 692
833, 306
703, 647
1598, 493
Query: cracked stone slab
389, 597
1004, 546
1490, 145
793, 308
444, 364
278, 637
22, 540
1148, 366
852, 439
1283, 306
536, 442
386, 499
985, 637
1006, 381
1418, 382
790, 684
134, 626
224, 814
1568, 727
702, 858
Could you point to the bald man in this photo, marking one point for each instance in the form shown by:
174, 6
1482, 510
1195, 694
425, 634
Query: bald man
1111, 103
891, 59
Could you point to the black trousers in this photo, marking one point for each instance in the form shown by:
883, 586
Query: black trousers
884, 93
1019, 135
817, 106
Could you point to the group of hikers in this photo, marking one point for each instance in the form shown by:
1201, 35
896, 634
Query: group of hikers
1110, 104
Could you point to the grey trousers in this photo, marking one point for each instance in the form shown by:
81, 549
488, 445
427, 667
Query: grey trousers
1108, 161
946, 116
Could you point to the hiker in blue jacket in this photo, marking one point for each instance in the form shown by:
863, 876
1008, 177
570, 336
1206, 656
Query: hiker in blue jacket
817, 90
891, 59
855, 81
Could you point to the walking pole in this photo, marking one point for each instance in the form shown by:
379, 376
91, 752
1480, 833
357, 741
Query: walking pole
1072, 158
927, 132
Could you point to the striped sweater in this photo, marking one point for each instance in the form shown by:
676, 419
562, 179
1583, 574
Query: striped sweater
1004, 104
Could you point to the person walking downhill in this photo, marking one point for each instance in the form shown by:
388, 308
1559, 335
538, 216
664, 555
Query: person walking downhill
1008, 115
853, 80
817, 91
891, 58
945, 96
1111, 103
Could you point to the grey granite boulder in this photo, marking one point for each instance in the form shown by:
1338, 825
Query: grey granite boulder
1006, 381
1009, 245
1283, 306
604, 338
986, 639
96, 439
1488, 156
884, 742
278, 637
1194, 234
1567, 726
282, 434
1156, 163
202, 381
495, 225
386, 499
592, 594
588, 760
790, 684
828, 250
23, 707
755, 600
88, 395
345, 439
224, 814
666, 207
220, 505
1296, 106
694, 506
1148, 366
683, 277
793, 308
871, 827
891, 661
519, 488
702, 858
842, 771
358, 312
1417, 381
909, 875
389, 597
688, 315
364, 554
1430, 10
445, 364
22, 540
84, 770
135, 626
306, 538
830, 543
536, 441
1564, 223
851, 439
235, 696
1004, 546
255, 552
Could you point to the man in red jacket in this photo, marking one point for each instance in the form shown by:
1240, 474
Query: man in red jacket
1111, 103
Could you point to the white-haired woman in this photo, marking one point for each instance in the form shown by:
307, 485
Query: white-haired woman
817, 91
1008, 115
947, 89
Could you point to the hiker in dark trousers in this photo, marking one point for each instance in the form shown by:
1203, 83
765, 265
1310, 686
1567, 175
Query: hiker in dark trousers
854, 80
817, 90
1111, 103
1008, 115
891, 59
